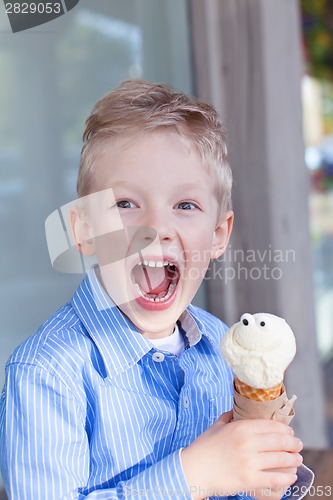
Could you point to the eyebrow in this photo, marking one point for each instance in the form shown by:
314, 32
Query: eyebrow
121, 183
191, 185
185, 185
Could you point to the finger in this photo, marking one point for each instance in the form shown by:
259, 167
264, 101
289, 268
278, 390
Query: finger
279, 478
267, 426
279, 461
287, 469
278, 442
226, 417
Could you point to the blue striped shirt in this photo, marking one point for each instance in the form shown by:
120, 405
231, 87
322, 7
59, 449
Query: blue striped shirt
91, 409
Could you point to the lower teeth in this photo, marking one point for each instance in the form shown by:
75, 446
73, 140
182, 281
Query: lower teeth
170, 291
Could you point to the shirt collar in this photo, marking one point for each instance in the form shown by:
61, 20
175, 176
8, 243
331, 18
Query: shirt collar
118, 341
195, 328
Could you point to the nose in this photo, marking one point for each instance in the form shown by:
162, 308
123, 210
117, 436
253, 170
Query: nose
139, 237
153, 228
160, 223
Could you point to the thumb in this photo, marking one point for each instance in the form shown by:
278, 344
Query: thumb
226, 417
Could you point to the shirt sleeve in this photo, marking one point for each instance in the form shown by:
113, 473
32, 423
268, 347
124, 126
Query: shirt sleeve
44, 449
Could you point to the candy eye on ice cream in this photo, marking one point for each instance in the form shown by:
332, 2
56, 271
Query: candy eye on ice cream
259, 348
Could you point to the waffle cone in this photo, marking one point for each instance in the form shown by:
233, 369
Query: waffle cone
258, 394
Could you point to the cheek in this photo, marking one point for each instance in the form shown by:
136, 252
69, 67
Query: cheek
116, 283
195, 272
198, 259
104, 225
201, 245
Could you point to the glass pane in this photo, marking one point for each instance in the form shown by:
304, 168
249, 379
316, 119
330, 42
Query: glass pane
50, 78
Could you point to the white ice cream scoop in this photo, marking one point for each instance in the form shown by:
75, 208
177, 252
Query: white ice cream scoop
259, 348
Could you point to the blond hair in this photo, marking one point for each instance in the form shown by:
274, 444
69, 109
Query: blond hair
139, 106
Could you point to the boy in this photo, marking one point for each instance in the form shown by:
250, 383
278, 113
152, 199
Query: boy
120, 393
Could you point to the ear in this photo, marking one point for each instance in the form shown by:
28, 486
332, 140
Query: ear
222, 234
82, 231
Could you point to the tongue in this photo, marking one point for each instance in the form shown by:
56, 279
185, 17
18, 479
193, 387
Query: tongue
151, 279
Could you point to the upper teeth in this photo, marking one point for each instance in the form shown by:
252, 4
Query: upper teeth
155, 263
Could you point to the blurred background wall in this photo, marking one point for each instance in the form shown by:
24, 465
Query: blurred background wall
268, 68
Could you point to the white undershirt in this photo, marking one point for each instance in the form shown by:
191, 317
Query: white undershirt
174, 343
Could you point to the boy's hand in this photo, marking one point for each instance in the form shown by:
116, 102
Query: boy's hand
242, 456
271, 493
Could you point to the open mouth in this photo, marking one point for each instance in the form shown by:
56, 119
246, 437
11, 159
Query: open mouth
155, 280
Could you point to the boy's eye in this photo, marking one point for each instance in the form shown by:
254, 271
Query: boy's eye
187, 205
125, 204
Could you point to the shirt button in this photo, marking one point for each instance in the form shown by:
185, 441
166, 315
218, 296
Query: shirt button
158, 357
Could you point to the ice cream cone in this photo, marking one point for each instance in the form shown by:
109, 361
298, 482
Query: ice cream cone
258, 394
259, 348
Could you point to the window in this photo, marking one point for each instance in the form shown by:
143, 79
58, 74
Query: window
50, 78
